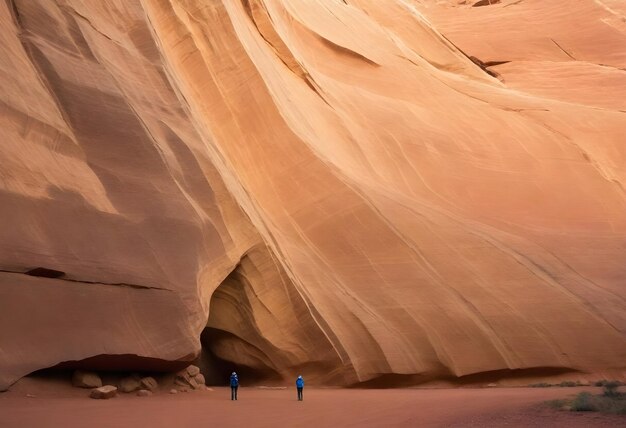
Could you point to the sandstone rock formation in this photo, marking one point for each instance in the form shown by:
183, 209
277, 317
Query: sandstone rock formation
193, 370
104, 392
189, 377
144, 393
200, 379
355, 190
130, 384
149, 383
84, 379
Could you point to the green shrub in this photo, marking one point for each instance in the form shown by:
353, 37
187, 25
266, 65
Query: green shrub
568, 383
584, 403
610, 388
600, 382
611, 405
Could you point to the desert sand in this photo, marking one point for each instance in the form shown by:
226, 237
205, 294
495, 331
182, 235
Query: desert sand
361, 191
487, 407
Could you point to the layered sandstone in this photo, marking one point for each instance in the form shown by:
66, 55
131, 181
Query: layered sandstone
355, 190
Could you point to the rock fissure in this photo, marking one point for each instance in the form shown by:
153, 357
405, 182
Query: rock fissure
59, 276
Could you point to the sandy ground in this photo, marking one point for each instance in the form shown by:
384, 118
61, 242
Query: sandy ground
511, 407
38, 403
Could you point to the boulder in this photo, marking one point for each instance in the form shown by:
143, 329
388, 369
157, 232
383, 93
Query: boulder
149, 383
193, 370
199, 378
84, 379
193, 384
104, 392
130, 384
144, 393
183, 378
173, 391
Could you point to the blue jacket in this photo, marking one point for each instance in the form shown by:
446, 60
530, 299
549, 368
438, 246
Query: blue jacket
300, 382
234, 381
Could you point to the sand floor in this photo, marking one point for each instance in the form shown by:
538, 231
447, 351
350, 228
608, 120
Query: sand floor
489, 407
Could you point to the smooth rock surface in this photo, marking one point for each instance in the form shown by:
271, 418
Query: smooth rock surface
129, 384
365, 192
144, 393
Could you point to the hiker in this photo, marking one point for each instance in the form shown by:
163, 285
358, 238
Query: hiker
300, 386
234, 384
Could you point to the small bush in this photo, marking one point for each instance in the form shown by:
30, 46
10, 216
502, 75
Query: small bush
604, 381
540, 385
584, 403
610, 388
612, 401
568, 383
610, 405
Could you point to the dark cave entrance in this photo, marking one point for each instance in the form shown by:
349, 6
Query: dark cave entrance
231, 341
217, 370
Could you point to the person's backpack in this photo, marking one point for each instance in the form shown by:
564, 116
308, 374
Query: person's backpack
234, 381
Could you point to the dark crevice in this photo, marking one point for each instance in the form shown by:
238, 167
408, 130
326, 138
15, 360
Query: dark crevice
563, 50
284, 54
345, 51
84, 18
49, 273
475, 60
45, 272
485, 3
125, 362
484, 66
495, 63
15, 13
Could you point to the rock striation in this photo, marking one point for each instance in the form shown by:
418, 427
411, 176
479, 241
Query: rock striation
359, 191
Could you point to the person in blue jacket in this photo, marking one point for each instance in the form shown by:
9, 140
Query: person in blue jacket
234, 384
300, 387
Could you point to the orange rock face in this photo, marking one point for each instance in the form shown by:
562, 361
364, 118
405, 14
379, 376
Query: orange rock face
353, 190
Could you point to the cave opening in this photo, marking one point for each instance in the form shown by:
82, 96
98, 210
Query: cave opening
217, 369
231, 340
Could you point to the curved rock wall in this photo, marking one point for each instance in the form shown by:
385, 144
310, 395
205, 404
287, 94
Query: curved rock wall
380, 188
